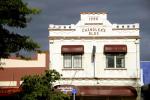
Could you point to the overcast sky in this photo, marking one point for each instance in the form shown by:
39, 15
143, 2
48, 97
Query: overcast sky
68, 12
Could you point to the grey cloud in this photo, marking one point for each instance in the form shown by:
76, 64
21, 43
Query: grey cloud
68, 12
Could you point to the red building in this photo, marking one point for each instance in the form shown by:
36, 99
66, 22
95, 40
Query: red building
14, 68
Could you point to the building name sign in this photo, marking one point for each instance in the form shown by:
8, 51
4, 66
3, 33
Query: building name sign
93, 30
65, 88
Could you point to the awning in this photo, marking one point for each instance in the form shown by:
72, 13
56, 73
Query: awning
106, 91
72, 49
115, 49
126, 91
9, 91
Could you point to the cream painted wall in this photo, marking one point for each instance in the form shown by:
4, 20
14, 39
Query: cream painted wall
14, 63
8, 83
101, 71
128, 76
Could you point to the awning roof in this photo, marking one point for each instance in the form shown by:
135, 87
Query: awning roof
84, 90
99, 90
9, 91
106, 91
115, 49
72, 49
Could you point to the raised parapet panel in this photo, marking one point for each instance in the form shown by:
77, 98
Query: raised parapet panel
93, 16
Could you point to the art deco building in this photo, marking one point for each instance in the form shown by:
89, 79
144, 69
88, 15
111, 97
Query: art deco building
98, 60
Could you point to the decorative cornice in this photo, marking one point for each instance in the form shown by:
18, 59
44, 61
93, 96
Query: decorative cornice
92, 37
98, 78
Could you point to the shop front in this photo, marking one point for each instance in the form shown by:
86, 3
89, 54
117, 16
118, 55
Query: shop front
99, 92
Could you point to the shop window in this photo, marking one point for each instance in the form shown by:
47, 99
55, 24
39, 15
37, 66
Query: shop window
115, 60
72, 61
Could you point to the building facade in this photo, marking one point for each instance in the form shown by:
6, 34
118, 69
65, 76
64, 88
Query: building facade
14, 68
98, 59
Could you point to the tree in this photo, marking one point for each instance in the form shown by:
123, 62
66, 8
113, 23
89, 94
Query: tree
40, 87
15, 14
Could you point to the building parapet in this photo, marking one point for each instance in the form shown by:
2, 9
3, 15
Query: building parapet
61, 27
125, 26
39, 60
101, 12
93, 16
114, 26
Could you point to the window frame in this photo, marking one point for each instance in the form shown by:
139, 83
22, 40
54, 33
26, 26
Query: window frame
64, 63
72, 61
115, 57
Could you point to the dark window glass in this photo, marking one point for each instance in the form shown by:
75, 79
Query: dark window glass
115, 60
120, 61
110, 61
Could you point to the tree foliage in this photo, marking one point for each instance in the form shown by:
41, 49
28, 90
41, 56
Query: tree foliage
40, 87
16, 14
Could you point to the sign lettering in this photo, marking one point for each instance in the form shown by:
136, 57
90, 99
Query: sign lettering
93, 30
65, 88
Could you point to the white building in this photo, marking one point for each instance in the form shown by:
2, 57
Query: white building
100, 59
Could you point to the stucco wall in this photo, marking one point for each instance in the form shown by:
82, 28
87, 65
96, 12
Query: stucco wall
12, 70
93, 29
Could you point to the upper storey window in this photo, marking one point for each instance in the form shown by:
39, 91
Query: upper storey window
72, 56
115, 56
115, 60
72, 61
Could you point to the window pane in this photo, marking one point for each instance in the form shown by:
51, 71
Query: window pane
77, 61
110, 61
120, 61
67, 61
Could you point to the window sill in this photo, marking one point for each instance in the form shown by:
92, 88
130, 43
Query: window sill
115, 69
72, 69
